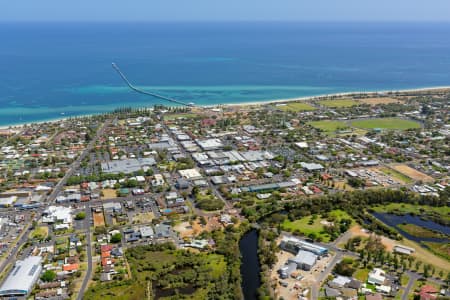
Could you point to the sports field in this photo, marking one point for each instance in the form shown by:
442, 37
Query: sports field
339, 103
329, 126
386, 123
295, 106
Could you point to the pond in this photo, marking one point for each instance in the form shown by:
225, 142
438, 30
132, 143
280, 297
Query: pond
395, 220
250, 268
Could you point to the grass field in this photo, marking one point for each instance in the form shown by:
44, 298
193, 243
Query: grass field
396, 175
40, 232
339, 103
361, 274
296, 107
441, 249
420, 231
380, 100
329, 126
386, 123
306, 227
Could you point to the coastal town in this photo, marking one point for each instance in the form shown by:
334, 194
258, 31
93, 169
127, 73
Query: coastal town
330, 197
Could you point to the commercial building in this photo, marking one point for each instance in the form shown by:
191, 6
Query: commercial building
305, 260
127, 166
22, 277
190, 174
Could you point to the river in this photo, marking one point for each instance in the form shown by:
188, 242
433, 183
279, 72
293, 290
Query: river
250, 268
394, 220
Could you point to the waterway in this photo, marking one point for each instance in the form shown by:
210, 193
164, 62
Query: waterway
395, 220
250, 268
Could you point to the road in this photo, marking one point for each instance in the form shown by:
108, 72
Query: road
88, 275
316, 286
412, 278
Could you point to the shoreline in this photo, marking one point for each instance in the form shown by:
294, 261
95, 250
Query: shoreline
254, 103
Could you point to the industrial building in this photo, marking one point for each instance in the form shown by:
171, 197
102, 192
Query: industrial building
22, 277
304, 260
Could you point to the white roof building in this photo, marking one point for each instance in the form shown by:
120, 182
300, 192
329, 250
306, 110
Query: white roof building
22, 277
57, 213
146, 231
190, 174
376, 276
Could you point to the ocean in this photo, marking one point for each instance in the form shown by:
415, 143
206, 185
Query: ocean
54, 70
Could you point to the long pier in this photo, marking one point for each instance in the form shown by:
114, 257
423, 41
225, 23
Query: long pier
138, 90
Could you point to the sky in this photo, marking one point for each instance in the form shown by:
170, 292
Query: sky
224, 10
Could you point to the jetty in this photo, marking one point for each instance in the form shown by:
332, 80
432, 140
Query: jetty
138, 90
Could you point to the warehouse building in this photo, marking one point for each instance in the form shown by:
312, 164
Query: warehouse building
22, 277
305, 260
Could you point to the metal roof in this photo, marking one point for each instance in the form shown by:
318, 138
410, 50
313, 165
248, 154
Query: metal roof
22, 277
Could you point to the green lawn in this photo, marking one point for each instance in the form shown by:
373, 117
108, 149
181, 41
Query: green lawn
296, 107
386, 123
361, 274
339, 103
306, 227
329, 126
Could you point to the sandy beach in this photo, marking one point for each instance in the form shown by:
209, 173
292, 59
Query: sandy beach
266, 102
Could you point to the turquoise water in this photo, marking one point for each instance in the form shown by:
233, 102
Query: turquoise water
50, 71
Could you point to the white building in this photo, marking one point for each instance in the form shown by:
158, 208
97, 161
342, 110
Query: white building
377, 277
190, 174
22, 277
57, 214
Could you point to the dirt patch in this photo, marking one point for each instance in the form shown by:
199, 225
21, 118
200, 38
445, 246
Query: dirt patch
359, 231
109, 194
143, 217
412, 173
188, 230
381, 100
99, 219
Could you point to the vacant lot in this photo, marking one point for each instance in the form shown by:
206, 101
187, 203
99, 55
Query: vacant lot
40, 232
99, 219
339, 103
109, 194
329, 126
412, 173
395, 174
381, 100
143, 217
386, 123
295, 106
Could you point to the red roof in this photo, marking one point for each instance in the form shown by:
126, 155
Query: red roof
105, 248
106, 254
428, 289
70, 267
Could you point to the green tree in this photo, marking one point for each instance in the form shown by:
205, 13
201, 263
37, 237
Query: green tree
48, 276
116, 238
